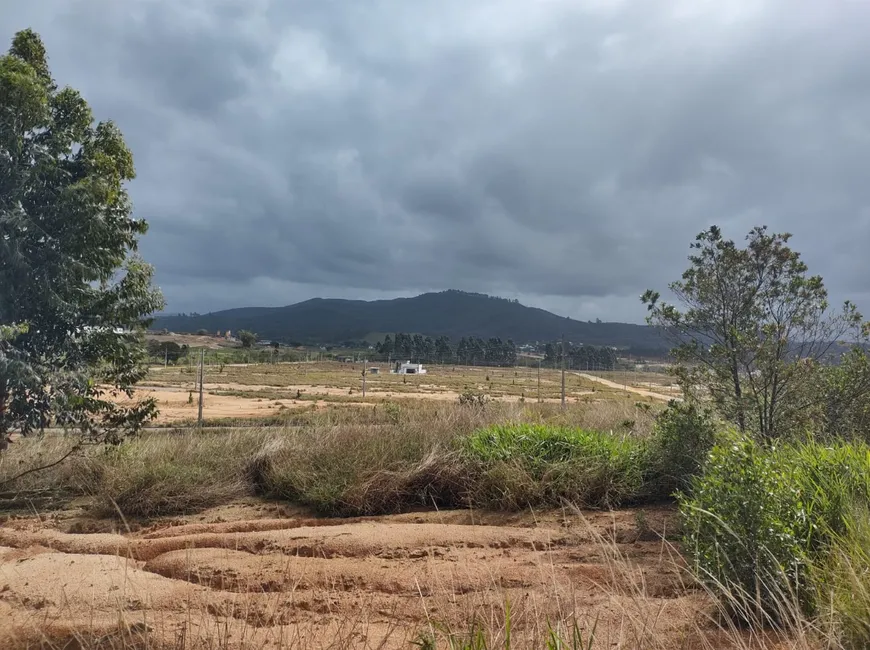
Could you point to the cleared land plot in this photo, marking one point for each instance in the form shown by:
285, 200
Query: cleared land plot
260, 390
194, 340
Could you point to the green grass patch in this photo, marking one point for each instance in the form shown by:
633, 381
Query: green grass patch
520, 465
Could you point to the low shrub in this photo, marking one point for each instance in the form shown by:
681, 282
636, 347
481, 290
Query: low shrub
521, 465
758, 518
683, 435
473, 398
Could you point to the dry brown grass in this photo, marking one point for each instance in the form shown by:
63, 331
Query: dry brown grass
341, 461
496, 382
264, 392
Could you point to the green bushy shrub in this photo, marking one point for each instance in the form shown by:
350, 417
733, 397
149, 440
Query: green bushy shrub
840, 399
758, 517
739, 525
683, 435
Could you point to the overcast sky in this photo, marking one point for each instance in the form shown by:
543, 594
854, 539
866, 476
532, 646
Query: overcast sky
563, 152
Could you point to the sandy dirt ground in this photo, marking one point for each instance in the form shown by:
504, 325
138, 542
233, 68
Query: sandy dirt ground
631, 389
175, 404
255, 576
193, 340
240, 391
178, 404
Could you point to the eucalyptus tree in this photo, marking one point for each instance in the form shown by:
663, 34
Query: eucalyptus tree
74, 294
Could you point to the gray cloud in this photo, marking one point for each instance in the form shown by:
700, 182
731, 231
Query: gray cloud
561, 152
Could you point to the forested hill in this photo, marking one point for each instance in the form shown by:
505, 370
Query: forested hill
449, 313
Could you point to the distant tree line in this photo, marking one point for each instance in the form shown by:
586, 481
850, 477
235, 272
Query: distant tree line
166, 350
471, 351
580, 357
492, 352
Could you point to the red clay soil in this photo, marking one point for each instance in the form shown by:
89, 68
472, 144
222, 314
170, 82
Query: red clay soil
233, 579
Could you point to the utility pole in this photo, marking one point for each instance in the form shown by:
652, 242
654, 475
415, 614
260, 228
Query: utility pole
625, 375
365, 368
539, 380
166, 355
201, 359
563, 371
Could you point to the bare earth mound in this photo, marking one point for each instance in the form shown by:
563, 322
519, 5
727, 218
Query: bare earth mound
375, 582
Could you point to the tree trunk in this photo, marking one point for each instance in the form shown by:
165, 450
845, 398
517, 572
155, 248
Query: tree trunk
3, 425
738, 395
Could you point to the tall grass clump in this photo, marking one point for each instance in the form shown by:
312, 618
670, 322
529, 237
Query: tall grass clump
364, 469
31, 466
181, 473
759, 518
346, 471
843, 585
521, 465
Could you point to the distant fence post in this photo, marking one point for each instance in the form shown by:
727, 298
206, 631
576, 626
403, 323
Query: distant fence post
201, 359
563, 372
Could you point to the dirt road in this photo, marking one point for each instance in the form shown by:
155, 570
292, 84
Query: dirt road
630, 389
248, 579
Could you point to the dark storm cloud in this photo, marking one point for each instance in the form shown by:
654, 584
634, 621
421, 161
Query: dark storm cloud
563, 152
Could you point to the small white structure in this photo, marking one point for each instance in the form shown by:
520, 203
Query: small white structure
408, 368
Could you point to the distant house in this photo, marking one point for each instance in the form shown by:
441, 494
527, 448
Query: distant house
408, 368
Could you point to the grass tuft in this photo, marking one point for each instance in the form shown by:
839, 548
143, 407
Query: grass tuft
159, 475
522, 465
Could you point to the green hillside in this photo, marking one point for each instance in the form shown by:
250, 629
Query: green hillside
449, 313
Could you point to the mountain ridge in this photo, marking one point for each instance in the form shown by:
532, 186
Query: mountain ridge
449, 313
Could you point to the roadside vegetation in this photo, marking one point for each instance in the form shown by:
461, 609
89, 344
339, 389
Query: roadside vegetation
397, 459
776, 515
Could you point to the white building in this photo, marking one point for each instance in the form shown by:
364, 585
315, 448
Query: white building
408, 368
